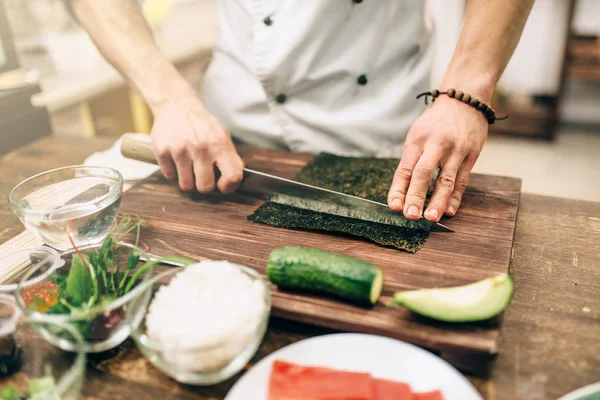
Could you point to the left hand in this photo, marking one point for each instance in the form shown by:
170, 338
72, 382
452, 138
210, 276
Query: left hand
449, 134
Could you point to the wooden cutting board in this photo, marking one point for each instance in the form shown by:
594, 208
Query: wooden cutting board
215, 227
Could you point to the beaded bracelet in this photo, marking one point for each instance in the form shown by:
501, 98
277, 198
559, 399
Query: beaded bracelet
487, 111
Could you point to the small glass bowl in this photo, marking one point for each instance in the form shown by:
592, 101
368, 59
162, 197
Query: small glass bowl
17, 263
27, 359
102, 326
81, 200
204, 365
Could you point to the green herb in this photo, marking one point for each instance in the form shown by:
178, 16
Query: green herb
80, 286
38, 389
100, 276
11, 393
59, 308
43, 389
143, 268
96, 275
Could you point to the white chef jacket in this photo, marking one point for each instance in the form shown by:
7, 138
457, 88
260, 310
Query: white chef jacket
320, 75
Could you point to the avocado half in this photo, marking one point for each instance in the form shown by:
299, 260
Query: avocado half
474, 302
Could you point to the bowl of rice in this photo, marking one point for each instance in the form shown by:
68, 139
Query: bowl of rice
205, 321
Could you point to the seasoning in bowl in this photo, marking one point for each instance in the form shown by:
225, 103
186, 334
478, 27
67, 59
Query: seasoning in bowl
207, 315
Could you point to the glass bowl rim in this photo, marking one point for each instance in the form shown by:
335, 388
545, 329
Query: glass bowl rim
116, 303
15, 206
12, 287
77, 367
11, 321
140, 337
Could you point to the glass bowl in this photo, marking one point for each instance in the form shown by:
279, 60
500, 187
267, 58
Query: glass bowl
81, 200
104, 323
215, 360
30, 365
15, 264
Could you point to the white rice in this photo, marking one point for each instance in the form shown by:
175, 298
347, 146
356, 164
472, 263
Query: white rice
206, 315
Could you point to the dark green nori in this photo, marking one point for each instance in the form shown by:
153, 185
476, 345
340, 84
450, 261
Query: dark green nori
280, 215
363, 177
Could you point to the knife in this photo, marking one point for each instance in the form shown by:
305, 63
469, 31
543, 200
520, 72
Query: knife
301, 195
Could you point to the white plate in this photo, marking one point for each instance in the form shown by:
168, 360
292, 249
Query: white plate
380, 356
581, 393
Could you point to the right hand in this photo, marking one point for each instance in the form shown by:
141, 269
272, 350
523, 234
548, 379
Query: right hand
189, 141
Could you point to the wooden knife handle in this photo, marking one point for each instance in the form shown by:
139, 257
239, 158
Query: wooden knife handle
138, 150
144, 151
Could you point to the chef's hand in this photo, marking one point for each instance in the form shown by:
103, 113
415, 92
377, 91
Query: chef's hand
189, 141
449, 134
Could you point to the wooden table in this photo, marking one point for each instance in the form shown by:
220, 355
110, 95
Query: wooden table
551, 331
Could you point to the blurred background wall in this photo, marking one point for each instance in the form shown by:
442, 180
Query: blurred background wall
537, 65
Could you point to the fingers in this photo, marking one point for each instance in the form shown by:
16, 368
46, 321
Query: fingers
231, 167
444, 187
462, 179
419, 183
185, 173
197, 171
402, 176
167, 166
190, 155
204, 174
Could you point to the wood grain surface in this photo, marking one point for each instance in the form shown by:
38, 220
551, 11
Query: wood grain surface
216, 227
549, 343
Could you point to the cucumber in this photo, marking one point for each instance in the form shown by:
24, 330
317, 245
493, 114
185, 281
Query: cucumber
322, 272
474, 302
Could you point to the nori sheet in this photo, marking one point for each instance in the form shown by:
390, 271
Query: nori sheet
280, 215
363, 177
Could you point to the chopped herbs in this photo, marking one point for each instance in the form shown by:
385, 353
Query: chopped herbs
96, 278
38, 389
79, 285
363, 177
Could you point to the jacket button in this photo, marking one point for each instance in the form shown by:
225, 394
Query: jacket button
362, 80
281, 98
268, 21
357, 1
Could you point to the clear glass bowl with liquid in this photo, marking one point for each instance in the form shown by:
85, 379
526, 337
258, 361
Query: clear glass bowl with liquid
81, 200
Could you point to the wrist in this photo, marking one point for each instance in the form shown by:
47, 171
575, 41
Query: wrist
479, 85
168, 87
463, 102
456, 106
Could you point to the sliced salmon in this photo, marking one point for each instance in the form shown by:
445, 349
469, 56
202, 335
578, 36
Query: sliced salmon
390, 390
294, 382
433, 395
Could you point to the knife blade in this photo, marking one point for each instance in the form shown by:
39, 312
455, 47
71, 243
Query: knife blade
301, 195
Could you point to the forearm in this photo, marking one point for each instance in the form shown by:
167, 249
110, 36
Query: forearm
490, 33
122, 35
